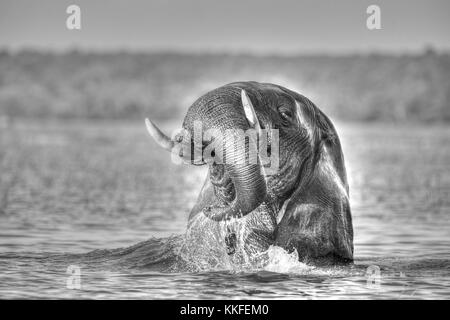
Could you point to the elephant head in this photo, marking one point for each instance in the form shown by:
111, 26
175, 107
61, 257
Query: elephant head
308, 183
238, 107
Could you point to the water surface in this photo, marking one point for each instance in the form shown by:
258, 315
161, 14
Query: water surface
101, 197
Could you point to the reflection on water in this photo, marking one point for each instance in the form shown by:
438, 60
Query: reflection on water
102, 197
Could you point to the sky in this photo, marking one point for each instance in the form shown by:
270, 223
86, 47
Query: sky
248, 26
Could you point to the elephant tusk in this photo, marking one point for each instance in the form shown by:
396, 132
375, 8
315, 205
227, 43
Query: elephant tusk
160, 138
250, 113
167, 144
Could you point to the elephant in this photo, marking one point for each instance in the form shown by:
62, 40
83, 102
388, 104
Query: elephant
242, 209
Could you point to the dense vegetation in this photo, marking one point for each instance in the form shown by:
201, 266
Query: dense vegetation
124, 85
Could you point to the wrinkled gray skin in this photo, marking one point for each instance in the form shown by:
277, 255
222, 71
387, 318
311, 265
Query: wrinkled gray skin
310, 191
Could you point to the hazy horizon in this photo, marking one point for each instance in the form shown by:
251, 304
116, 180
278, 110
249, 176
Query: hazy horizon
224, 52
138, 57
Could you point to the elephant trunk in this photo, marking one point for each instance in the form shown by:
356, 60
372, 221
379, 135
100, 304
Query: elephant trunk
223, 112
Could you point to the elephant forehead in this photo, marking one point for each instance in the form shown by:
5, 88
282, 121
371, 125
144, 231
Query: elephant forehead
266, 99
223, 96
214, 105
265, 91
270, 97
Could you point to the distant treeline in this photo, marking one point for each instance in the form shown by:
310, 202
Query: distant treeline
122, 85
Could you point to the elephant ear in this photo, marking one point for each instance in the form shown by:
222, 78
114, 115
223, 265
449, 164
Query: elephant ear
317, 219
316, 123
304, 117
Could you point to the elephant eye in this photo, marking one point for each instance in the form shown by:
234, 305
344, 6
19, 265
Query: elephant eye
286, 114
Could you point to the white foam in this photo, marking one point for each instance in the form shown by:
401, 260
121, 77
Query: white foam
280, 261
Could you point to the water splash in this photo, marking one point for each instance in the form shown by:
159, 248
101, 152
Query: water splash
204, 249
280, 261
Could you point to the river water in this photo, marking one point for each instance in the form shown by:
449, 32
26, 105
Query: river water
97, 211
